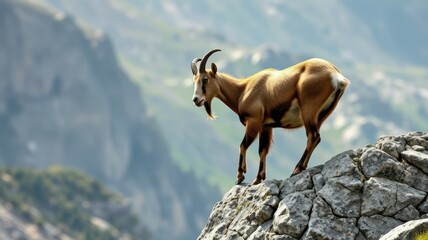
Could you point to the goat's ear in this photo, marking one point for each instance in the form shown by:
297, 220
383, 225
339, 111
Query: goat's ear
213, 69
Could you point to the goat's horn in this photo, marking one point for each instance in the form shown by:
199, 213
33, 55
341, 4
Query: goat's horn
193, 66
205, 59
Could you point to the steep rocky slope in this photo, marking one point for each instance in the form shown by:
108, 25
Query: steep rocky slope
13, 227
64, 100
358, 194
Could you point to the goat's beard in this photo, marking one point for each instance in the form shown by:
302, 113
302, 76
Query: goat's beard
207, 106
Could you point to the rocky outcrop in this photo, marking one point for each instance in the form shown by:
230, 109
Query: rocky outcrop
358, 194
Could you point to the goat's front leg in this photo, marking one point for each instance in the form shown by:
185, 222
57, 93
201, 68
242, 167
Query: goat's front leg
264, 145
251, 131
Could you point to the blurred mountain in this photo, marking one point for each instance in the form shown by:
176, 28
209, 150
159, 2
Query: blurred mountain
396, 27
63, 204
172, 31
380, 46
65, 100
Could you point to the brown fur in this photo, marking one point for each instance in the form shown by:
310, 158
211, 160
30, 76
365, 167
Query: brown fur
298, 93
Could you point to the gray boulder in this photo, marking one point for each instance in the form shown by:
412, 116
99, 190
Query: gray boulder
418, 159
292, 215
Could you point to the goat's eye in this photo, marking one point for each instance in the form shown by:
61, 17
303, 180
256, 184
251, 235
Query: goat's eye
205, 80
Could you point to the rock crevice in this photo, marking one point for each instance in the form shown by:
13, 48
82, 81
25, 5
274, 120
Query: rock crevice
358, 194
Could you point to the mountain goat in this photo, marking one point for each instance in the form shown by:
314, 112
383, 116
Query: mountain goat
302, 95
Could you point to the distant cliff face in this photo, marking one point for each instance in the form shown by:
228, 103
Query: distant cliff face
358, 194
64, 97
64, 100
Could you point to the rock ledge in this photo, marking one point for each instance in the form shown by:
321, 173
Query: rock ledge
358, 194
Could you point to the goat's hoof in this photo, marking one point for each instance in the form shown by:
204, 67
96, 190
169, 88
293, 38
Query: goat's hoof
296, 171
256, 181
239, 180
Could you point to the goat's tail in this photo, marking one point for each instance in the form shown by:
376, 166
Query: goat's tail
339, 82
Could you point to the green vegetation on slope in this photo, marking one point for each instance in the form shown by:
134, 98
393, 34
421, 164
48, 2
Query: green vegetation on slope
63, 198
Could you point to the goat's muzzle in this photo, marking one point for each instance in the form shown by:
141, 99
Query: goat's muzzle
199, 102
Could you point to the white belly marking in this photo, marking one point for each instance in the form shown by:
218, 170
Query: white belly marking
291, 118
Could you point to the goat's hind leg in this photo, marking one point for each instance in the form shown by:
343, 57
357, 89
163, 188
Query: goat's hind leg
312, 132
314, 138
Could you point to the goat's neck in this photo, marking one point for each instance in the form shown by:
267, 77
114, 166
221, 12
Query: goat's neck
231, 89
